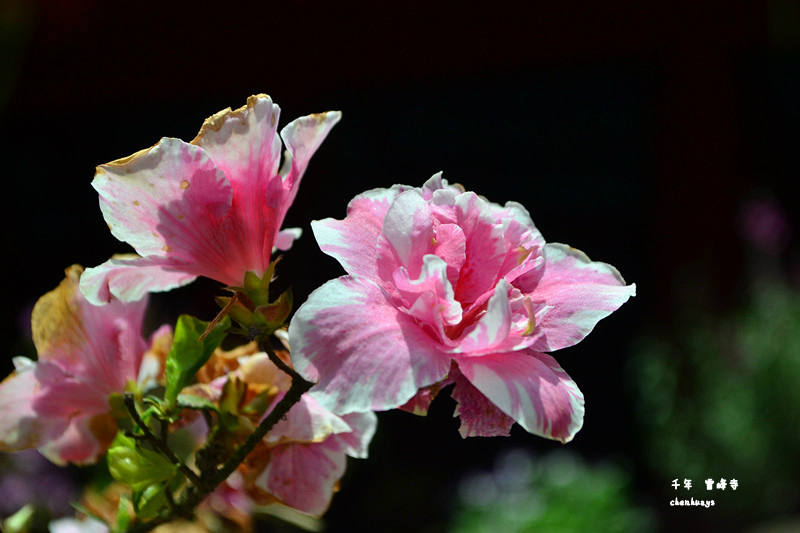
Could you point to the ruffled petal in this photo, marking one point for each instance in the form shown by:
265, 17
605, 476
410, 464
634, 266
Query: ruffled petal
408, 227
364, 354
353, 241
492, 329
131, 278
579, 293
531, 388
485, 250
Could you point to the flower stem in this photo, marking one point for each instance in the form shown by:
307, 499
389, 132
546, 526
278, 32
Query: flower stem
159, 444
209, 481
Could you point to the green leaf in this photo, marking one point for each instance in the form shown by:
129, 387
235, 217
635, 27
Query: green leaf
188, 354
136, 466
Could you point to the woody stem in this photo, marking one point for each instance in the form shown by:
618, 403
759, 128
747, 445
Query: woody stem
194, 494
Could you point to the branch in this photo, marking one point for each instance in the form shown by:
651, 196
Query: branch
194, 494
159, 444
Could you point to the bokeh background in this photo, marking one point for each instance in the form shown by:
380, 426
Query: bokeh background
660, 138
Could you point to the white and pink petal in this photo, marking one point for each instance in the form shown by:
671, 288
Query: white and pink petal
363, 353
304, 476
531, 388
578, 292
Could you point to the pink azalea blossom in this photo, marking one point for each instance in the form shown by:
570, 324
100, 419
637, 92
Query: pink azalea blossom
300, 461
446, 287
60, 403
211, 207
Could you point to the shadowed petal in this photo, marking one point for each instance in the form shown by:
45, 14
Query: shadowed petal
531, 388
304, 476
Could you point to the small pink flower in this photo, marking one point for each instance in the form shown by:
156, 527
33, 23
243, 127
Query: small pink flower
60, 403
446, 287
212, 207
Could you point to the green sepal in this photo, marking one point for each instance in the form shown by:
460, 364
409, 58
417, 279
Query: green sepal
150, 501
124, 517
188, 401
188, 355
21, 521
273, 315
136, 466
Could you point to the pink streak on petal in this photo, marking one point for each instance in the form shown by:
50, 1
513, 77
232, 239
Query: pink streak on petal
408, 227
485, 251
493, 327
364, 353
170, 196
77, 444
479, 417
580, 292
353, 241
531, 388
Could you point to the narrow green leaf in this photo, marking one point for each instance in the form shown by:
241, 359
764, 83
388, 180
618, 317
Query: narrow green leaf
187, 355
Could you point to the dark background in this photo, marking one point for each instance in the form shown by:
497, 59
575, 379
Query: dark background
631, 131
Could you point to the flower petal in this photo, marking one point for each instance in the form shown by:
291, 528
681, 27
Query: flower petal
21, 426
307, 421
485, 251
243, 143
408, 227
130, 279
285, 238
302, 137
353, 241
364, 354
165, 201
579, 293
101, 344
304, 476
479, 416
531, 388
363, 427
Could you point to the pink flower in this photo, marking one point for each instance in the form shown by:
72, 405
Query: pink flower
212, 207
60, 403
300, 461
446, 287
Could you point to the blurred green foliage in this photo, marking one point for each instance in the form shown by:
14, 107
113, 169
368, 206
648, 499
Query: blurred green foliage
719, 398
556, 493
